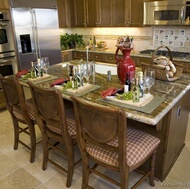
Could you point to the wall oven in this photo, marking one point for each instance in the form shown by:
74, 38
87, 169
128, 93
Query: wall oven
8, 64
170, 12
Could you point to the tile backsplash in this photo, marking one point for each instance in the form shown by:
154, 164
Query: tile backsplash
176, 38
171, 37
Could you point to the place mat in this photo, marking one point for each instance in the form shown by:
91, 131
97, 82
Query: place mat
150, 107
143, 101
39, 79
82, 90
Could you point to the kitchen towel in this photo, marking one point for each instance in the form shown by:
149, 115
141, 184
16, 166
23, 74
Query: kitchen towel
21, 72
59, 81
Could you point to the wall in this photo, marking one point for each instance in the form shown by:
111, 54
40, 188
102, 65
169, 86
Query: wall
144, 37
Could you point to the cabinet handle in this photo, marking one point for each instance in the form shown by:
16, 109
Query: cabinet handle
178, 112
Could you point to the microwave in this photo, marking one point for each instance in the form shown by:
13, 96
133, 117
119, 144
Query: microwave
171, 12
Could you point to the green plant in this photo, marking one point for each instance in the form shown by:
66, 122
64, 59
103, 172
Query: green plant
69, 41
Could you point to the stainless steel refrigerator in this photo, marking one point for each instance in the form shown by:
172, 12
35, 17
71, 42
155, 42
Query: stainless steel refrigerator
36, 29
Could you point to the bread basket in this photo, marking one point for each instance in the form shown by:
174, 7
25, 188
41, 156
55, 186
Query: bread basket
162, 70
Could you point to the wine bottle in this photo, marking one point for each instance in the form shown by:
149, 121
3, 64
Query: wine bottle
74, 80
127, 84
32, 71
141, 84
136, 91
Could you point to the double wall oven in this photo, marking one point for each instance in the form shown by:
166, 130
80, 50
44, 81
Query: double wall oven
7, 53
8, 64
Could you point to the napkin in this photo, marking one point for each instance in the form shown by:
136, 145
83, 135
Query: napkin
21, 72
109, 92
59, 81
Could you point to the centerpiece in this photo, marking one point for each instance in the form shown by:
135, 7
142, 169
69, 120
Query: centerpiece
125, 64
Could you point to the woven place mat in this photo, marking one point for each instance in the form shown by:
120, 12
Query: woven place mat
82, 90
39, 80
150, 107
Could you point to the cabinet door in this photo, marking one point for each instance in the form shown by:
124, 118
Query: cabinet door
4, 4
66, 56
77, 13
2, 100
62, 6
104, 13
136, 16
121, 12
91, 13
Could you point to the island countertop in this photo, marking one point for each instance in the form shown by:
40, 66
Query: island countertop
171, 91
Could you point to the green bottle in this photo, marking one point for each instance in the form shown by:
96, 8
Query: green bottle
136, 91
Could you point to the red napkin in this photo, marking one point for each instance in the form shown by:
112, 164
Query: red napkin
58, 81
108, 92
21, 72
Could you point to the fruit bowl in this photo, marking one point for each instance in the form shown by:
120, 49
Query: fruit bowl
101, 44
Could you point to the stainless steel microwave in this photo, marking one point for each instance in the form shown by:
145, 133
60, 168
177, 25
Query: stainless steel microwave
170, 12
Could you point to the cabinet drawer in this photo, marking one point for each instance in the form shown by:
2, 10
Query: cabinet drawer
110, 58
81, 55
97, 57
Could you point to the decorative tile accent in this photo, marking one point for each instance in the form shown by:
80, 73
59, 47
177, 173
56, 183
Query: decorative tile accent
170, 37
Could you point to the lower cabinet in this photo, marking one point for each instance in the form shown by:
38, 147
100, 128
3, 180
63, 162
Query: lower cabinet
2, 100
66, 56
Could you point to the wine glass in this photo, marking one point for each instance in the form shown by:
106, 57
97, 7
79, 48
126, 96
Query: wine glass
149, 78
87, 71
45, 63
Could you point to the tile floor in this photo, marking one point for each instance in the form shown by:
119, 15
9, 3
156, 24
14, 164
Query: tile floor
16, 172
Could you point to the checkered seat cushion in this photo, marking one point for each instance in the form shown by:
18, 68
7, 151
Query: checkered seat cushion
70, 119
139, 145
29, 106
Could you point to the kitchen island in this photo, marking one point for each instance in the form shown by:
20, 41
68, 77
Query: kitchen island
168, 121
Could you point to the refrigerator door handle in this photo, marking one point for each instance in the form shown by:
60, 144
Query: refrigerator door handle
35, 33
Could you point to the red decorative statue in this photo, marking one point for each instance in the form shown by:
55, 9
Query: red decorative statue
124, 64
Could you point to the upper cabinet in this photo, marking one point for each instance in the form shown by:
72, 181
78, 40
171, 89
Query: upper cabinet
63, 7
4, 4
77, 13
102, 13
127, 13
98, 13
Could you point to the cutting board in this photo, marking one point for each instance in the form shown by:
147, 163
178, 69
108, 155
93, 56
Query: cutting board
80, 89
143, 101
45, 76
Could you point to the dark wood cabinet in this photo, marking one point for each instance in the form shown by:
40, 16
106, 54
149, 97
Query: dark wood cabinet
127, 13
4, 4
2, 100
176, 132
66, 56
81, 55
77, 13
98, 13
63, 14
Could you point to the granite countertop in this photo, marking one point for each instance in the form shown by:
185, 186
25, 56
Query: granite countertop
171, 91
133, 53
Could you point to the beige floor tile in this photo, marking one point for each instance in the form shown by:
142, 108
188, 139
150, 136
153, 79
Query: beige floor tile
19, 179
7, 166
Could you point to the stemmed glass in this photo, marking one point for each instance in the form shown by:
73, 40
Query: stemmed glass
45, 63
149, 78
87, 71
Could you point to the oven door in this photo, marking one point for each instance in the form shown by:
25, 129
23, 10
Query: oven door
6, 37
